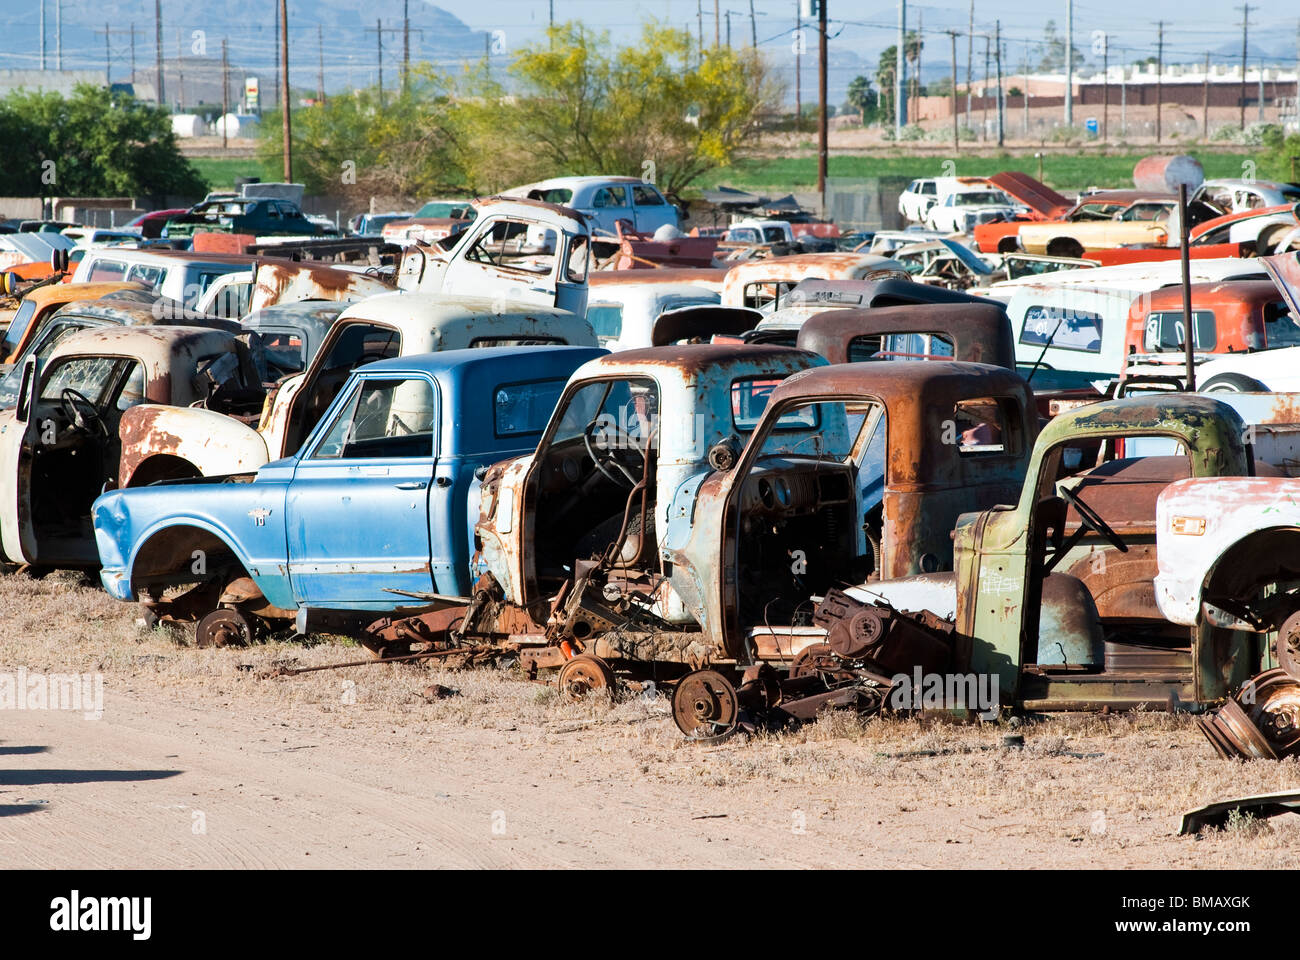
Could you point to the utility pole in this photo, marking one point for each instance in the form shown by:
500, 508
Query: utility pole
1123, 95
284, 92
699, 25
133, 53
798, 64
225, 94
952, 37
753, 26
1205, 100
406, 40
915, 112
1069, 63
728, 17
379, 30
984, 133
970, 57
1105, 86
320, 70
717, 26
1025, 99
157, 30
1245, 27
822, 130
1160, 69
997, 43
276, 18
900, 73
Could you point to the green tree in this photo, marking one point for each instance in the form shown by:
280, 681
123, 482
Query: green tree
578, 105
886, 67
862, 98
1280, 157
1054, 51
353, 146
94, 143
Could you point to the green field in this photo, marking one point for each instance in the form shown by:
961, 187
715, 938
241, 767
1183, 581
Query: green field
220, 172
1064, 171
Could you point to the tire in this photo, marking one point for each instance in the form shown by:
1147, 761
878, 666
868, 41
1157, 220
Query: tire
1008, 245
1232, 383
1065, 247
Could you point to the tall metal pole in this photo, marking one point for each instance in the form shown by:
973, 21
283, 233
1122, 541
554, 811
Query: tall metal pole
798, 68
1205, 100
997, 43
1105, 86
284, 92
158, 64
900, 72
1189, 331
1069, 63
379, 56
406, 42
728, 16
984, 133
225, 95
108, 54
1160, 69
717, 26
320, 69
970, 58
753, 26
952, 37
1245, 26
822, 128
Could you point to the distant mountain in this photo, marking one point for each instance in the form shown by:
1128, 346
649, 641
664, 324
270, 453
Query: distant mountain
347, 30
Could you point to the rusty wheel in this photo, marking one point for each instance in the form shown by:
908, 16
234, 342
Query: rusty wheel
223, 628
705, 706
1275, 712
583, 674
1286, 648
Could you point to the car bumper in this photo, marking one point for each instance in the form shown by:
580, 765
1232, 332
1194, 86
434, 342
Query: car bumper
117, 584
1179, 598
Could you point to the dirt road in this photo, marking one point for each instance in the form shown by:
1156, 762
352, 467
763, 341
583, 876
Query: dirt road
197, 762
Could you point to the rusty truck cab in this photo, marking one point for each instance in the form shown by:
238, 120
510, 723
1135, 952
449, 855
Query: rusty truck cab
972, 332
902, 450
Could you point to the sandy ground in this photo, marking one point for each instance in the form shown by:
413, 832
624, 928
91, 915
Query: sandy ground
198, 762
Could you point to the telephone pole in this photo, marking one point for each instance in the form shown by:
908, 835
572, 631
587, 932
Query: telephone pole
970, 57
157, 30
406, 43
717, 26
1069, 63
753, 26
952, 37
276, 18
1105, 85
822, 149
320, 69
900, 73
798, 65
1245, 27
1205, 100
379, 30
997, 43
284, 92
1160, 69
225, 95
984, 133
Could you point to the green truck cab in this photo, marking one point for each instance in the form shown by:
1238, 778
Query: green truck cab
1055, 592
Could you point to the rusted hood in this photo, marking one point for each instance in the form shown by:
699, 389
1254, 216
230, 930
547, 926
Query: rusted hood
1034, 194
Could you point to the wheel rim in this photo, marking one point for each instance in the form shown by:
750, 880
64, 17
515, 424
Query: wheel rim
705, 706
583, 674
223, 628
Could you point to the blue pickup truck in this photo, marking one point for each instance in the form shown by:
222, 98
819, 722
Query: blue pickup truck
377, 508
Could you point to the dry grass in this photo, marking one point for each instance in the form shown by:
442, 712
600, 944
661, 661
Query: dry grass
1109, 787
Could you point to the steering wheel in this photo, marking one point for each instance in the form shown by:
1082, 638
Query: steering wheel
1090, 519
81, 412
622, 441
